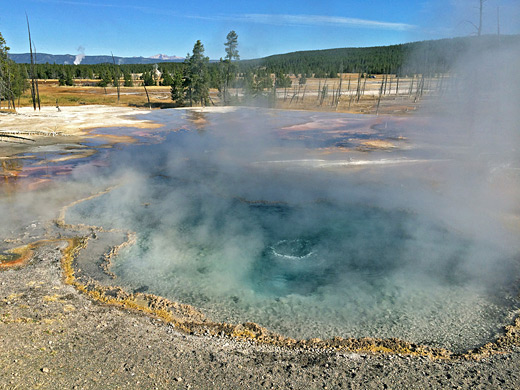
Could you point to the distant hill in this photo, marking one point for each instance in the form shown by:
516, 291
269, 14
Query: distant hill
428, 56
416, 57
68, 59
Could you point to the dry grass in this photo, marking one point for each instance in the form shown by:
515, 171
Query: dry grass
50, 91
391, 102
84, 93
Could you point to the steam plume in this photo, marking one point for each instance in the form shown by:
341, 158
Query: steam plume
80, 55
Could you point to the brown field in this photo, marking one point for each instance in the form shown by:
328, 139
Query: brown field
306, 97
51, 92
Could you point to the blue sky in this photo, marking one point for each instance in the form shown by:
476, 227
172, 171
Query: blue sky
145, 28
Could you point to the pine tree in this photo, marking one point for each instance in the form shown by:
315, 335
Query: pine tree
105, 78
3, 50
282, 80
167, 79
177, 88
197, 80
68, 78
128, 82
62, 79
229, 68
12, 78
148, 79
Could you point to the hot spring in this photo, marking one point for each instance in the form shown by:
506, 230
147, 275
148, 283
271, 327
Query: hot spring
292, 221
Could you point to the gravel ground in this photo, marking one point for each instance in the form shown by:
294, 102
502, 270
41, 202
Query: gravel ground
53, 337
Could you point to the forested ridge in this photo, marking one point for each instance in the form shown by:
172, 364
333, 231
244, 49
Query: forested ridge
191, 80
416, 57
434, 56
425, 57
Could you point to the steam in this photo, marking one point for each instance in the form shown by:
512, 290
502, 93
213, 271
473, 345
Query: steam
241, 218
238, 215
80, 55
478, 119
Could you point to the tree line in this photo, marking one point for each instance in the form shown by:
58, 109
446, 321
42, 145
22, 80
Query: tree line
433, 56
191, 80
13, 78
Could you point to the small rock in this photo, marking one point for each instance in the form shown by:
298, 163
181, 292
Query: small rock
45, 370
178, 379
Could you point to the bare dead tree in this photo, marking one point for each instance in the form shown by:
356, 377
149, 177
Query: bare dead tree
147, 96
16, 137
357, 91
481, 10
420, 88
442, 83
364, 86
274, 94
333, 98
324, 93
480, 17
358, 88
338, 96
410, 90
498, 23
385, 77
116, 77
293, 96
380, 94
296, 94
33, 82
36, 79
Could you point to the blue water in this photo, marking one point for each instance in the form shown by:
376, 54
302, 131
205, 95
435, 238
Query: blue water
306, 252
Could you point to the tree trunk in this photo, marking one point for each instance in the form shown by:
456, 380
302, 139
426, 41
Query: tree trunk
380, 94
33, 87
148, 97
116, 77
36, 80
479, 31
